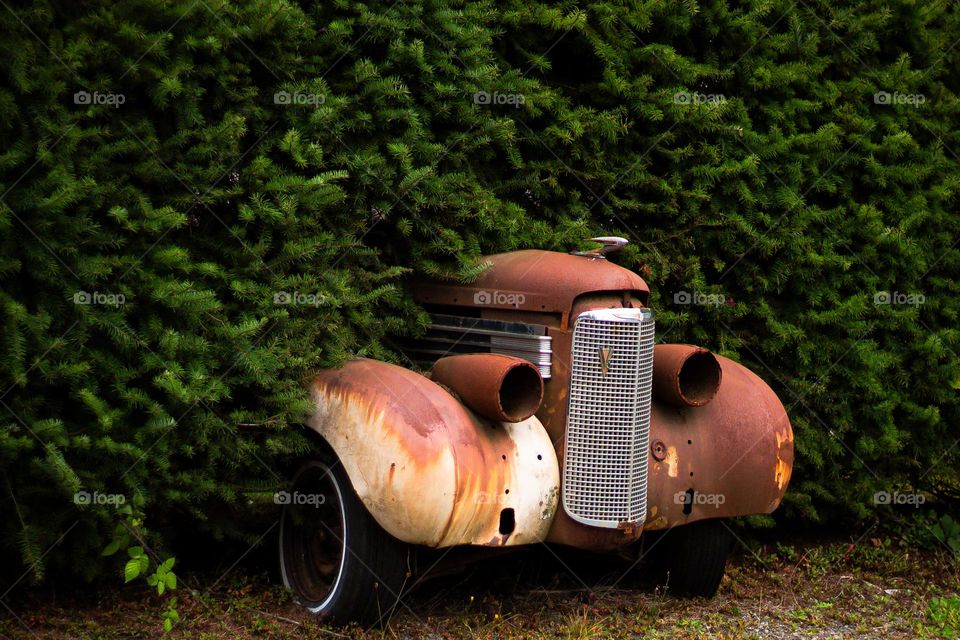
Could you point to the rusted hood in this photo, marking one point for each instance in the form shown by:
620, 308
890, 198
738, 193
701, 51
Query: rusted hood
533, 280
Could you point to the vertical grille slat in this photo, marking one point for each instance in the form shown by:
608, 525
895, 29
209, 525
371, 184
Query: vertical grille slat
608, 417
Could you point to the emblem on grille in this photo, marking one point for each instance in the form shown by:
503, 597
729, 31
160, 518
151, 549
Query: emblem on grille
605, 354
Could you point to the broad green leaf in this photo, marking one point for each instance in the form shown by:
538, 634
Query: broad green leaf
112, 548
131, 570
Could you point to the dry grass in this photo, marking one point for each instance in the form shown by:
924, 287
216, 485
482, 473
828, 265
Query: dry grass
809, 590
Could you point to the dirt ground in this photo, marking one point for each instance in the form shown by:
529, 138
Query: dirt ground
822, 589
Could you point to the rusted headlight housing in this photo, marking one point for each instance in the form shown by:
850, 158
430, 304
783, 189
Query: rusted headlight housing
685, 375
499, 387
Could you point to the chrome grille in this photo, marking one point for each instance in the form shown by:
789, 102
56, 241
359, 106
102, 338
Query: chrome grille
454, 335
608, 418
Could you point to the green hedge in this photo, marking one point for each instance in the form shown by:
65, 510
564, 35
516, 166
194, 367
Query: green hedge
239, 190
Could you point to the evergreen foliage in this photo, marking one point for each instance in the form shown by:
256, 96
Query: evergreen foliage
204, 201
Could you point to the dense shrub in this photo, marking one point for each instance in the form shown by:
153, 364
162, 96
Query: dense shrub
797, 164
239, 188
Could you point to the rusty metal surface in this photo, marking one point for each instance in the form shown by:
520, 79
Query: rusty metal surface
499, 387
536, 281
685, 375
428, 469
735, 454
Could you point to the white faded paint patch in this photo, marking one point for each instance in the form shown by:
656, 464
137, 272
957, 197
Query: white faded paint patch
672, 460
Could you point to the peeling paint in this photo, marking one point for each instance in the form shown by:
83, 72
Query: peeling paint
781, 474
549, 504
672, 461
783, 469
786, 436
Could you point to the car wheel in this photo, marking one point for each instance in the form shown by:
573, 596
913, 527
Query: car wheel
338, 562
696, 557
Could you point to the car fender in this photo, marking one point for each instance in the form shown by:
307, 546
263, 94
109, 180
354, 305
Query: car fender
430, 471
730, 457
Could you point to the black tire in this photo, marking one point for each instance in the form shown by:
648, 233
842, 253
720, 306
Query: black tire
696, 557
338, 562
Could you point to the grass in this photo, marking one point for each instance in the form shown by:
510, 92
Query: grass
824, 589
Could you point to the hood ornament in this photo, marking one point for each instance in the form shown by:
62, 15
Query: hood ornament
609, 244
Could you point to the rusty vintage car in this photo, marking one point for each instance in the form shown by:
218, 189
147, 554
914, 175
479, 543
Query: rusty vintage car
536, 409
